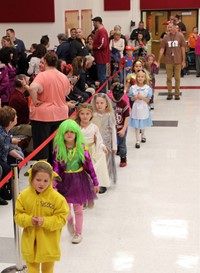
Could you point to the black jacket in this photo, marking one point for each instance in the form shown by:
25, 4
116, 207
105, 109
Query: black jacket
77, 48
144, 31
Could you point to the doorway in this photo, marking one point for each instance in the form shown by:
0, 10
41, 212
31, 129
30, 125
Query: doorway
156, 22
78, 19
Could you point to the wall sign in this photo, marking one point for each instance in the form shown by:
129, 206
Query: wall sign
23, 11
117, 5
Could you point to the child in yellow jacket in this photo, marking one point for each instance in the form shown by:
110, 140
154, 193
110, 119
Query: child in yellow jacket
42, 212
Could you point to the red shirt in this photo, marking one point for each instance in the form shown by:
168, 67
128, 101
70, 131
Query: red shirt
101, 49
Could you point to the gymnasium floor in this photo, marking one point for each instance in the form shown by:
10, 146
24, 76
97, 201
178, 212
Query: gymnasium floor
149, 222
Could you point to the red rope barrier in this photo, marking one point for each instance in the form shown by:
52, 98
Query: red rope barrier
39, 148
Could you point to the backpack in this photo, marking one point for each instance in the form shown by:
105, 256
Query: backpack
115, 55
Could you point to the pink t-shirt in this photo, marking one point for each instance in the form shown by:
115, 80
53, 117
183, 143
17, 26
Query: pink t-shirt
55, 87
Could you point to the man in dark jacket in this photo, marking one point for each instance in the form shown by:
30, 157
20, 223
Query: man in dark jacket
142, 30
78, 45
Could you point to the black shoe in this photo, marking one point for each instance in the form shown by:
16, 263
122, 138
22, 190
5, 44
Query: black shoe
197, 76
169, 97
177, 98
3, 202
143, 140
137, 145
102, 190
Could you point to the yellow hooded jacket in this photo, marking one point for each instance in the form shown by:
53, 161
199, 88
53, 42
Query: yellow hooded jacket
41, 243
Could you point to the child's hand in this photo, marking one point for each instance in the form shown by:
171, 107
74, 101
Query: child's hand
114, 151
40, 221
105, 150
121, 132
34, 221
155, 63
140, 97
133, 98
96, 189
37, 221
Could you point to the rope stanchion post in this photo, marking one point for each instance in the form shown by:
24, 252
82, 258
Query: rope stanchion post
19, 267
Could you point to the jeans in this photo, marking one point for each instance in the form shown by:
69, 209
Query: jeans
121, 145
176, 69
197, 60
101, 74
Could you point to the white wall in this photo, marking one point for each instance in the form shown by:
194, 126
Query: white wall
32, 32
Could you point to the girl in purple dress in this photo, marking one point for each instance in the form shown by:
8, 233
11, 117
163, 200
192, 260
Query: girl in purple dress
73, 164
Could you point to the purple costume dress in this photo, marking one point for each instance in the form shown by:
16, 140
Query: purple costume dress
78, 179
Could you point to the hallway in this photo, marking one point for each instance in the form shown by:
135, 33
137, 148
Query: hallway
149, 222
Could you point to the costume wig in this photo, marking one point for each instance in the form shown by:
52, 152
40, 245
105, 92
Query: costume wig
60, 143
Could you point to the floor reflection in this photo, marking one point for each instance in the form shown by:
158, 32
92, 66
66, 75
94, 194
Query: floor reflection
123, 262
170, 228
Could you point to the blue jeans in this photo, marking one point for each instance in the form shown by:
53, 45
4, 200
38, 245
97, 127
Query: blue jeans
101, 74
121, 145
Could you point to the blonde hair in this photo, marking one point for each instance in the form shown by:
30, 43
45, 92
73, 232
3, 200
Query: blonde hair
118, 33
147, 77
109, 108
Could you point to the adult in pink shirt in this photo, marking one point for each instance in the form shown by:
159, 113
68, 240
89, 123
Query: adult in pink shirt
48, 106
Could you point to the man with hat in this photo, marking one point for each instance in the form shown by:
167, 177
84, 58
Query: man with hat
101, 50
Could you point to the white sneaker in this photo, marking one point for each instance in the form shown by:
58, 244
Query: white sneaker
77, 238
70, 227
152, 106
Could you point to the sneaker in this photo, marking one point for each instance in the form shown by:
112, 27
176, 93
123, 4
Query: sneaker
77, 238
137, 145
70, 227
151, 106
169, 97
3, 202
177, 98
102, 190
123, 162
143, 140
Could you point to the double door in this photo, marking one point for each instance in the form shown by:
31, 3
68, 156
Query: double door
78, 19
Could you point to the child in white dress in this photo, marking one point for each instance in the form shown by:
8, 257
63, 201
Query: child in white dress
104, 118
95, 144
140, 116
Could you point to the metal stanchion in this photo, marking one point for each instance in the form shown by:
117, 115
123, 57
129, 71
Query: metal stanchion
19, 267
